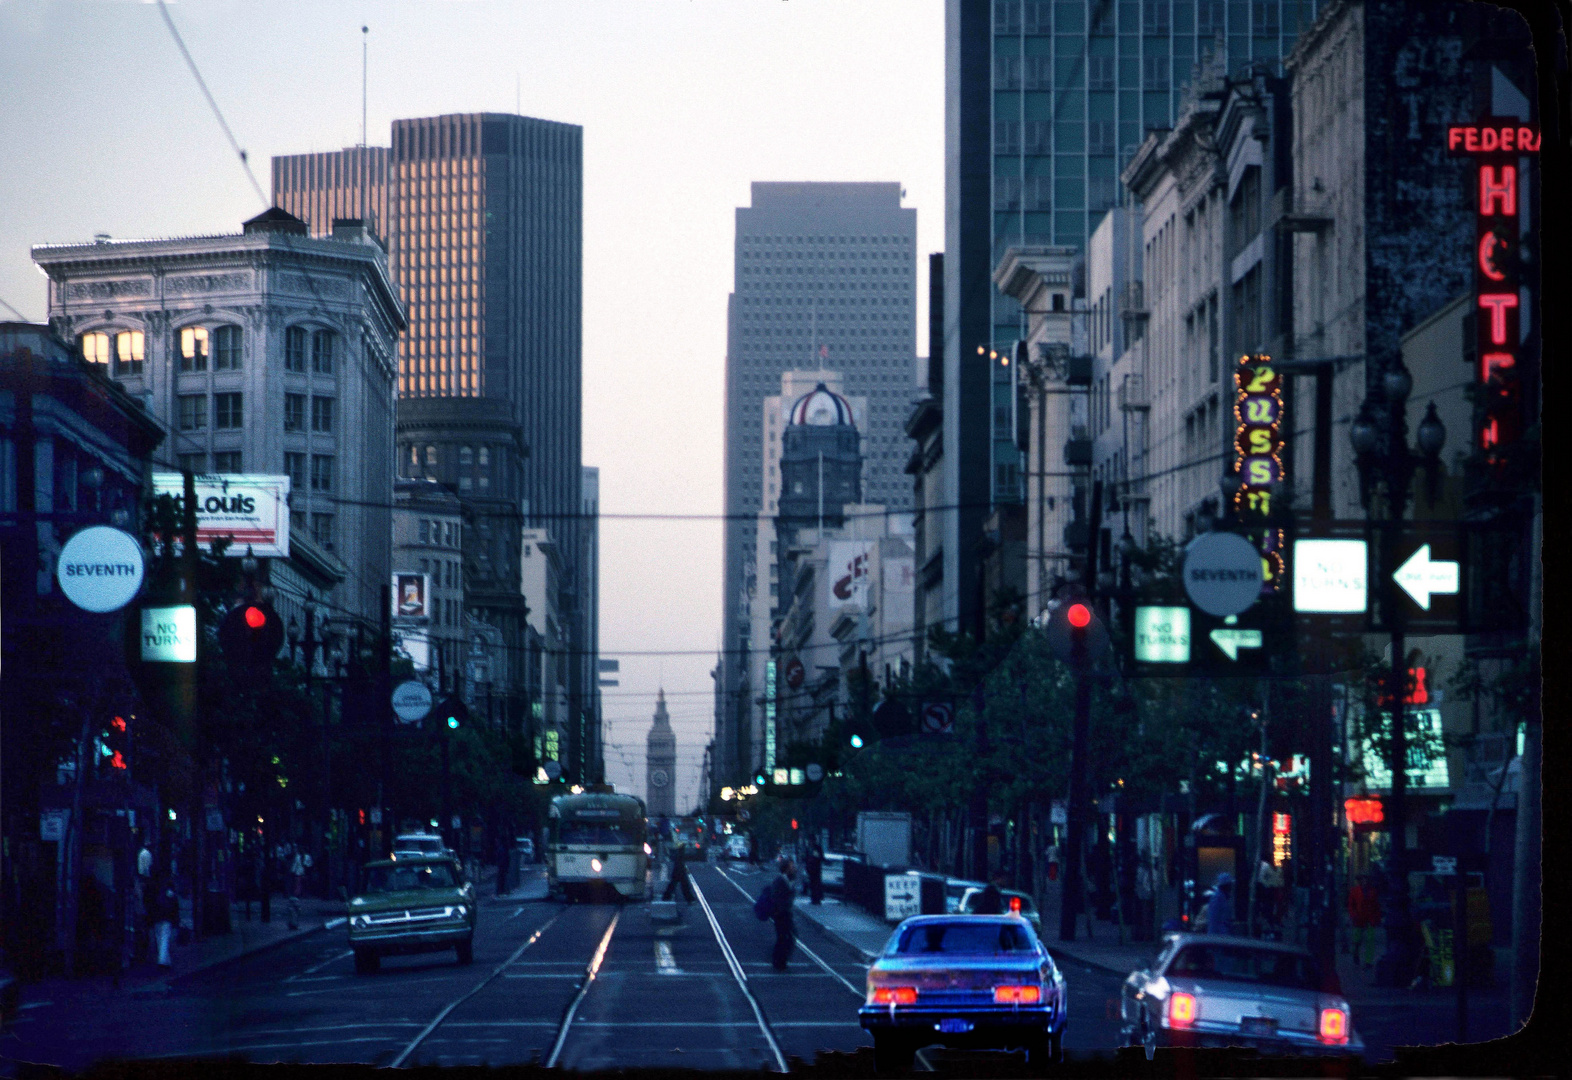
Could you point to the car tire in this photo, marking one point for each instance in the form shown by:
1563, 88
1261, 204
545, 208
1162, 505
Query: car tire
466, 951
893, 1054
367, 962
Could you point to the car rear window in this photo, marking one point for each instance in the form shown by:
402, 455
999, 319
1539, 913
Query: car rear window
1240, 963
413, 876
989, 937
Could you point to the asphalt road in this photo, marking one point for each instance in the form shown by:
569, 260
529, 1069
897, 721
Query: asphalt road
581, 986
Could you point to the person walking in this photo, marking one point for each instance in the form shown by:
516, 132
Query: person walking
297, 885
679, 874
163, 913
814, 864
1364, 912
782, 896
1220, 908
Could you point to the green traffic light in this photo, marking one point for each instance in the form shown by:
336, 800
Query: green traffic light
453, 722
856, 741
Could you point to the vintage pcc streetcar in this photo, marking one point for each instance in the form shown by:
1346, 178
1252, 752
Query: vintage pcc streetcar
596, 847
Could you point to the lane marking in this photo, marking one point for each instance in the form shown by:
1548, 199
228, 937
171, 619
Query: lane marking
589, 979
742, 979
332, 924
540, 975
515, 915
35, 1005
815, 957
665, 963
345, 955
441, 1016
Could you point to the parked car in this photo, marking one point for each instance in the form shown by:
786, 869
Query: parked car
1220, 990
1016, 903
419, 844
970, 981
412, 904
954, 889
833, 874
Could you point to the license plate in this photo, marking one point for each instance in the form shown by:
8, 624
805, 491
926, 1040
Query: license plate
1258, 1025
954, 1025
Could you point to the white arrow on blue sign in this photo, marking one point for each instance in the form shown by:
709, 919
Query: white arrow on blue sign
1231, 641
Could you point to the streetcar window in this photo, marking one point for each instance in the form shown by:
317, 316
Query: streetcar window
604, 833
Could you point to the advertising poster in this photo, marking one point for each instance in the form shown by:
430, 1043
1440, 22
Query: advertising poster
252, 511
411, 596
850, 565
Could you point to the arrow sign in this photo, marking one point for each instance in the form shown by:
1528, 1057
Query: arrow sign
1420, 577
1231, 641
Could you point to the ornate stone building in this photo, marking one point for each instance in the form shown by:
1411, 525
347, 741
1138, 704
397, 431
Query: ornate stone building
660, 764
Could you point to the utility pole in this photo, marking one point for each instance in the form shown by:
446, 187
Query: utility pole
1075, 826
188, 595
382, 704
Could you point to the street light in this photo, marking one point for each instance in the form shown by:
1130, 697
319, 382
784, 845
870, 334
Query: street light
1386, 472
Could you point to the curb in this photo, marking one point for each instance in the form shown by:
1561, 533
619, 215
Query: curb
1060, 957
296, 935
868, 957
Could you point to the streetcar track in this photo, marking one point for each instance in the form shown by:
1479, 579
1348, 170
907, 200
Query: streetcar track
742, 978
815, 957
443, 1015
589, 978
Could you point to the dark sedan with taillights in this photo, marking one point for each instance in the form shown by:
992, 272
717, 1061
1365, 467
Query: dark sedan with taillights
966, 981
1216, 990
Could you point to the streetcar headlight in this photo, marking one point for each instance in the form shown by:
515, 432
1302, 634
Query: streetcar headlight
595, 865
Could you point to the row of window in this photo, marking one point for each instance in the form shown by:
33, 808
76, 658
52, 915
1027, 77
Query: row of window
446, 533
191, 411
198, 346
444, 572
1044, 193
321, 475
1156, 17
321, 413
224, 461
1101, 137
321, 527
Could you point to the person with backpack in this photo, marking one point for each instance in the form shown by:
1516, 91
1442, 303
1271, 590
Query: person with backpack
1220, 908
679, 874
775, 903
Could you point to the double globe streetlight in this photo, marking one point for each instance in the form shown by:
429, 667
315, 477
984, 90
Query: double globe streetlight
1386, 472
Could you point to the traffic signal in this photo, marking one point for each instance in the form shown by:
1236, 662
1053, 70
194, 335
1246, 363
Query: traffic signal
452, 714
1077, 633
859, 731
892, 719
251, 636
114, 745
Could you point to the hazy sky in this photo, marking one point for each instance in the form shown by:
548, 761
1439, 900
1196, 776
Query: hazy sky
683, 104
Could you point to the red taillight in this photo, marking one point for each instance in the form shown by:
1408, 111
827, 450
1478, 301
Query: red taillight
1015, 905
1181, 1009
1334, 1026
1017, 995
895, 995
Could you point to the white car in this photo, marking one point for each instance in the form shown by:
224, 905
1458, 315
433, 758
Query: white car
736, 846
419, 844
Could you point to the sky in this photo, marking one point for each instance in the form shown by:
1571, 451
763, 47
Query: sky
683, 104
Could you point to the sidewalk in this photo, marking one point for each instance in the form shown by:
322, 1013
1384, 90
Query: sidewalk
851, 925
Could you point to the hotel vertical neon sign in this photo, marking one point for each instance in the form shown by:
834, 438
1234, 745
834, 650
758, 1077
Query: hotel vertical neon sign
1497, 146
1258, 419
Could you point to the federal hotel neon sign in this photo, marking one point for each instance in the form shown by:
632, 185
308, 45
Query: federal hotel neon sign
1498, 147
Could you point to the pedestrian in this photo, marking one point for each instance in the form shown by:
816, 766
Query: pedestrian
990, 901
679, 874
1268, 886
1364, 912
782, 896
814, 864
1220, 908
297, 886
1143, 901
163, 912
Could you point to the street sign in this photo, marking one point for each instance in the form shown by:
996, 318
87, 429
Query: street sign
1162, 635
169, 634
1222, 573
1231, 640
412, 701
52, 825
815, 773
1445, 865
1330, 576
902, 896
938, 717
100, 568
1419, 577
553, 769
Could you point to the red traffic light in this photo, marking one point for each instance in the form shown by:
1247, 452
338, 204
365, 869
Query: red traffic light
793, 823
1079, 616
256, 618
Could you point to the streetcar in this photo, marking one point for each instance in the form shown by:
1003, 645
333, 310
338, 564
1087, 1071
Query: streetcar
596, 847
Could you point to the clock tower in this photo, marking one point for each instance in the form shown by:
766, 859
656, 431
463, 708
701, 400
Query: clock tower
660, 768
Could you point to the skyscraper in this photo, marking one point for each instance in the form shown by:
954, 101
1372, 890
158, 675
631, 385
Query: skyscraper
483, 218
1045, 102
825, 277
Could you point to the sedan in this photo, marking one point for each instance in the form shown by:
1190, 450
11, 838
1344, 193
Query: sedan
1016, 903
417, 903
1217, 990
967, 981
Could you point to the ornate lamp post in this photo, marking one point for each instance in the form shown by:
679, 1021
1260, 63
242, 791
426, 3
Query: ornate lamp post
1386, 472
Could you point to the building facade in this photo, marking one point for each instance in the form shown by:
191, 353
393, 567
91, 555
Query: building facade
660, 764
825, 277
428, 580
265, 352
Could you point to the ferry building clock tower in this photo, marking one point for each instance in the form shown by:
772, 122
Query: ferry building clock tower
660, 775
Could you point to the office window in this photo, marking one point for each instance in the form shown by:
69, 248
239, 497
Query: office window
227, 461
1007, 73
1039, 193
295, 466
483, 477
1208, 18
466, 455
322, 345
1102, 192
1154, 16
95, 347
192, 346
1100, 72
1100, 137
1102, 17
322, 530
192, 409
1038, 140
321, 472
1006, 137
1006, 193
1264, 18
295, 349
322, 415
294, 412
227, 411
424, 530
1007, 16
129, 347
297, 522
1154, 73
191, 463
226, 348
1038, 74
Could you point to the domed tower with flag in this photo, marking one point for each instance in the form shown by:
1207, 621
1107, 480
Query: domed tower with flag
660, 764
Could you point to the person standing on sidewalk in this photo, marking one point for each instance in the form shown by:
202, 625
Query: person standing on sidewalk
297, 886
1364, 912
782, 896
814, 864
163, 913
1220, 908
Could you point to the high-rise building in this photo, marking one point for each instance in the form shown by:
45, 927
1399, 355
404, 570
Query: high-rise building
1046, 101
660, 764
825, 277
483, 218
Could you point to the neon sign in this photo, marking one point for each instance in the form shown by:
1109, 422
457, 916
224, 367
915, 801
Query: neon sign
1258, 419
1497, 146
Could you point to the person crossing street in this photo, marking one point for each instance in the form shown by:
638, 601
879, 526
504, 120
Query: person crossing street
782, 896
679, 874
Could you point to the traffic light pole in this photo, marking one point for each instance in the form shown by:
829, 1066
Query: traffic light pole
384, 707
1075, 824
198, 819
